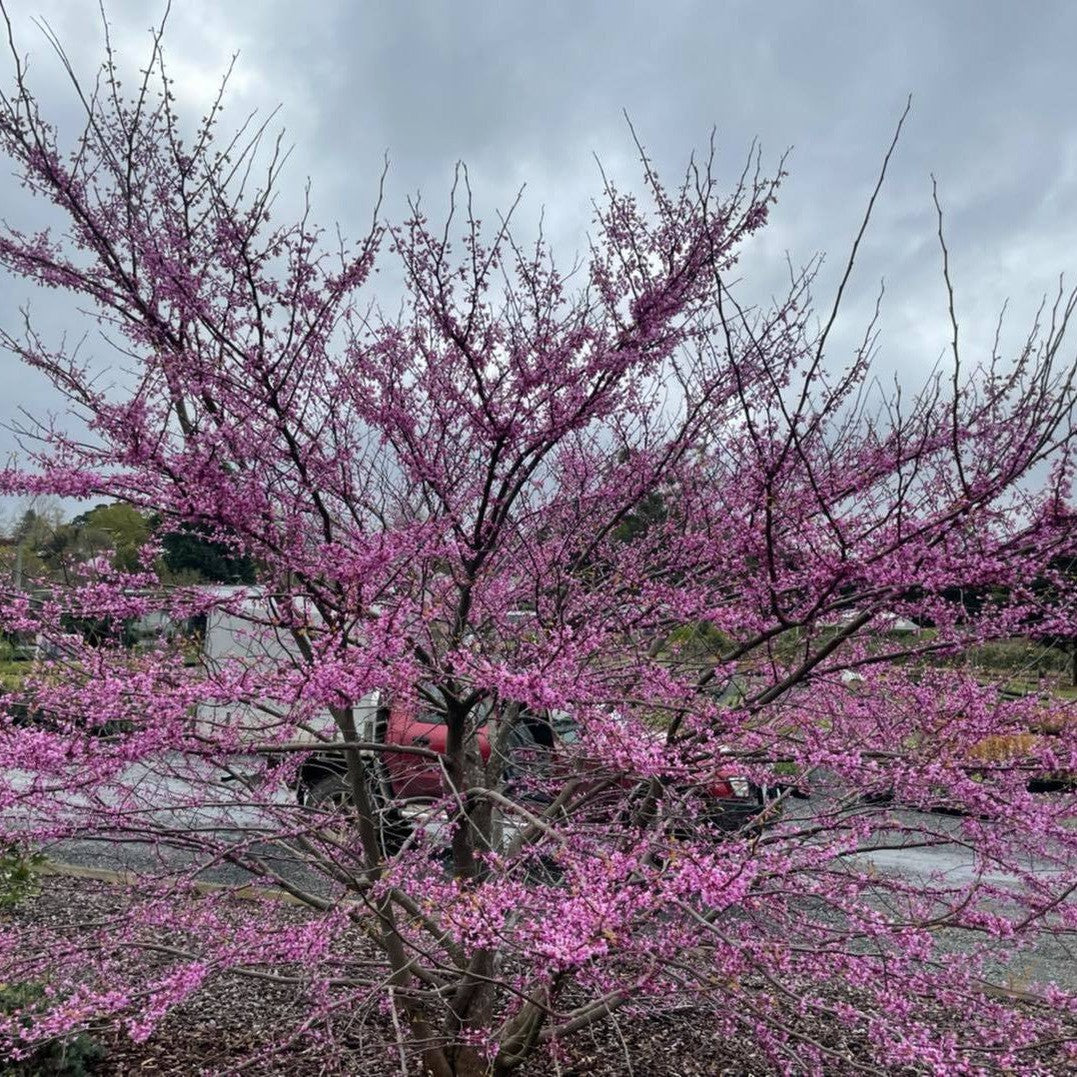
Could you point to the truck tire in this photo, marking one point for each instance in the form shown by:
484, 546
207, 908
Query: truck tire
333, 793
329, 792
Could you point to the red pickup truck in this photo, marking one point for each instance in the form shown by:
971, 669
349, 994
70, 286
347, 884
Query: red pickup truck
538, 743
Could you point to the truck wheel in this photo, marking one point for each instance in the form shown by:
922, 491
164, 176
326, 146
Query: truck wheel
333, 793
329, 793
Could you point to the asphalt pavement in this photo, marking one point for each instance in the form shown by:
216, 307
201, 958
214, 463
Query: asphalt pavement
183, 795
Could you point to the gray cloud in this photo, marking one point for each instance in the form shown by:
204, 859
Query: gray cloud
529, 92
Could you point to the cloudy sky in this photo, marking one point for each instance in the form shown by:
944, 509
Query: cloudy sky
531, 92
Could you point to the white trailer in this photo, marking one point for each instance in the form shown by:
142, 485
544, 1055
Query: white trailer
248, 635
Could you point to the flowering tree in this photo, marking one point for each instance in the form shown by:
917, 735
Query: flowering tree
615, 504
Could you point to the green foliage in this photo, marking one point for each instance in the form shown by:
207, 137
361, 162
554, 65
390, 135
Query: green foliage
1019, 655
72, 1056
651, 510
45, 546
198, 558
698, 638
18, 874
117, 527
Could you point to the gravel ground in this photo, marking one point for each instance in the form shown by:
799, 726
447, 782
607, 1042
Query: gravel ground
232, 1018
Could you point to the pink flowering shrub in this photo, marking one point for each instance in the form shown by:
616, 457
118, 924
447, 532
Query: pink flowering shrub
520, 496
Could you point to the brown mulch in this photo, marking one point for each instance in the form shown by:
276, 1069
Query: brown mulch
233, 1018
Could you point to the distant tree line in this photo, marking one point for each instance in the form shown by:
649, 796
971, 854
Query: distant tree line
44, 547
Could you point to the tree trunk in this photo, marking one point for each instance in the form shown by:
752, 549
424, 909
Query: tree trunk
461, 1061
467, 1062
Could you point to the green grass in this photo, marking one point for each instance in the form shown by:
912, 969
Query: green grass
12, 674
1024, 687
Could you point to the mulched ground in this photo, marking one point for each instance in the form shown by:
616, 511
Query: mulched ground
233, 1018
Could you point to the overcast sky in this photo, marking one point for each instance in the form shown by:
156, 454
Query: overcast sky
531, 92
